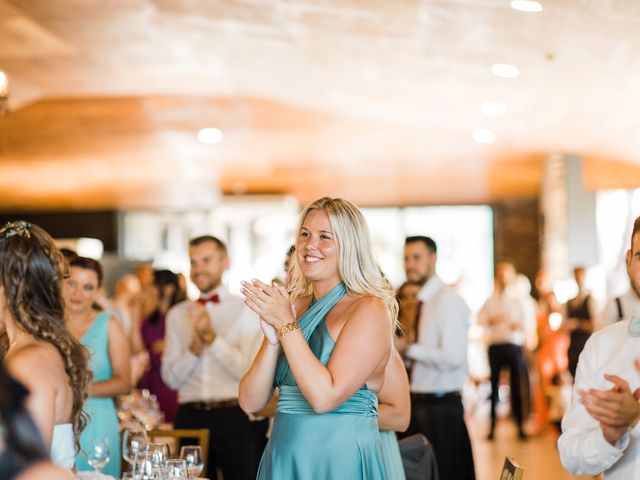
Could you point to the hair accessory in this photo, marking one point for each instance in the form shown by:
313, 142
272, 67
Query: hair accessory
16, 228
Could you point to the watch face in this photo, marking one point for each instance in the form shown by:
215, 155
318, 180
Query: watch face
634, 327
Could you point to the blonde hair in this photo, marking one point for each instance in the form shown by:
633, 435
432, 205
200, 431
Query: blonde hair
357, 264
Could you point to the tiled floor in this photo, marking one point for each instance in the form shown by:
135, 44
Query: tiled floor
538, 455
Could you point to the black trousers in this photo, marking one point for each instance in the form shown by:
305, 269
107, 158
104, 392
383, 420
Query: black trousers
507, 355
441, 420
235, 442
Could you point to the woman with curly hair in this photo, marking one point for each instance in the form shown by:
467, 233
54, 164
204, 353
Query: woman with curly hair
42, 354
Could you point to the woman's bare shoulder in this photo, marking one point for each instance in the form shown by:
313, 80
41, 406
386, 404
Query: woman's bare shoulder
37, 360
366, 304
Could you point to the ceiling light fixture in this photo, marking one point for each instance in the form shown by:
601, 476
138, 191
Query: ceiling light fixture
484, 135
4, 93
526, 6
493, 109
505, 70
210, 135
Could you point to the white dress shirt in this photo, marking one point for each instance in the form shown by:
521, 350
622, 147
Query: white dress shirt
583, 448
440, 353
215, 374
515, 308
630, 303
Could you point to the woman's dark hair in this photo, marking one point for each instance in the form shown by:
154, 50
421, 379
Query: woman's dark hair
22, 441
161, 279
31, 274
88, 264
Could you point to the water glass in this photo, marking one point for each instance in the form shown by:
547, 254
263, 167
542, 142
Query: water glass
192, 455
143, 468
176, 469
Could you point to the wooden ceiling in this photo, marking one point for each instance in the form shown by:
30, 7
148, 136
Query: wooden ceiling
375, 101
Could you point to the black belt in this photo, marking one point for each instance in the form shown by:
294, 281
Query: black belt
212, 405
435, 395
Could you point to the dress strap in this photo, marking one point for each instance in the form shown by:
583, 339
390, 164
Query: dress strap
310, 320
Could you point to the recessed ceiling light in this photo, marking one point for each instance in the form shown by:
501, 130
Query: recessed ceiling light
505, 70
210, 135
526, 6
493, 109
4, 83
484, 135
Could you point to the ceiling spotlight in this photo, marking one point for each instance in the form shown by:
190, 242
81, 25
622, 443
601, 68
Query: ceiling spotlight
484, 135
4, 84
493, 109
505, 70
4, 93
210, 135
526, 6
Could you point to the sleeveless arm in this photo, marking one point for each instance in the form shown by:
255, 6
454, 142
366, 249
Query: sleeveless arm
361, 348
394, 408
120, 358
256, 386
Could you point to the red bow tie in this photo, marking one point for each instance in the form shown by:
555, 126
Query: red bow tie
215, 298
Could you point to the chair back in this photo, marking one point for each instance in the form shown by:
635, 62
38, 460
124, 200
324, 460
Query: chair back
180, 437
418, 458
511, 470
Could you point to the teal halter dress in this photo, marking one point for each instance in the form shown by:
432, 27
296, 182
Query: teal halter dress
344, 443
103, 420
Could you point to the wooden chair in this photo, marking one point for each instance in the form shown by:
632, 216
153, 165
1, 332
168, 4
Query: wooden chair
201, 435
511, 470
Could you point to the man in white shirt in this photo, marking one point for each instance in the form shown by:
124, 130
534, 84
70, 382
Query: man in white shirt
208, 346
507, 316
439, 359
625, 306
601, 432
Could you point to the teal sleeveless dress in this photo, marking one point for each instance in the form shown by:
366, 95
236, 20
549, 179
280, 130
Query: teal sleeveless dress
342, 444
103, 420
391, 454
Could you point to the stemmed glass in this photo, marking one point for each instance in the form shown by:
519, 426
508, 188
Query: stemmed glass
98, 454
192, 455
159, 455
134, 440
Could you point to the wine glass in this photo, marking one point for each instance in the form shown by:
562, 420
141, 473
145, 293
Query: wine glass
159, 455
192, 455
99, 453
134, 440
176, 469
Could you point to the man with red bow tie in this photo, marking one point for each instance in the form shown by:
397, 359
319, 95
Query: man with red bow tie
209, 343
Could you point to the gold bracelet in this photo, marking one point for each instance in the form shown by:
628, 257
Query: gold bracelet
289, 327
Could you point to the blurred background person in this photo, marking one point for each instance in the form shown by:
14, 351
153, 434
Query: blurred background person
42, 354
125, 305
167, 287
439, 362
580, 316
409, 311
104, 336
504, 317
